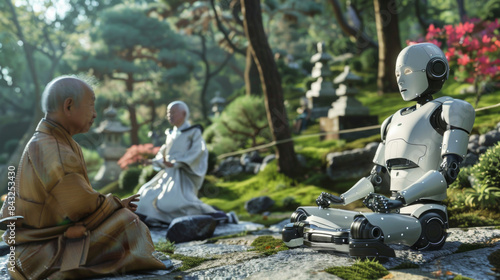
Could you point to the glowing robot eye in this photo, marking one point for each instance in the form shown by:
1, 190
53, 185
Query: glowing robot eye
408, 71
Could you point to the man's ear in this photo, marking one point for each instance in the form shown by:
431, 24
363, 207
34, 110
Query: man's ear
68, 105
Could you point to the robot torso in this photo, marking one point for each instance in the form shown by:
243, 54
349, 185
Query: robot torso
413, 143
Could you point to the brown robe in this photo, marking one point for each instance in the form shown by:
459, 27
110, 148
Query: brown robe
53, 193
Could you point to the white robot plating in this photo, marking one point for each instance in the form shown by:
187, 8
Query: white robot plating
419, 156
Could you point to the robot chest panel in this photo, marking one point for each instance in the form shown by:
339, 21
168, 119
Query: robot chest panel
412, 137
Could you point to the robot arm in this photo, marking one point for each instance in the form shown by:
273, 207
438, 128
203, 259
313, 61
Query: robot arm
459, 118
366, 185
379, 177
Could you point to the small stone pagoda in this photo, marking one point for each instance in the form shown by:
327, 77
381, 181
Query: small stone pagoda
110, 150
322, 94
218, 104
347, 112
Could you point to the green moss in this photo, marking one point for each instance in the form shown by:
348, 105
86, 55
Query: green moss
230, 194
268, 245
215, 239
361, 270
494, 259
187, 261
460, 277
465, 247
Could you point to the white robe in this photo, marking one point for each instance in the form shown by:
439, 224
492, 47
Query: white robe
173, 192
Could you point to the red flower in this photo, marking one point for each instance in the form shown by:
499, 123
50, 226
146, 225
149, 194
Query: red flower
463, 60
136, 154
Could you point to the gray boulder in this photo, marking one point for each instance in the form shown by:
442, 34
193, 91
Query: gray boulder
259, 204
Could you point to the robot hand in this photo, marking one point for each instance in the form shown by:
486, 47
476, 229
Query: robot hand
325, 199
381, 204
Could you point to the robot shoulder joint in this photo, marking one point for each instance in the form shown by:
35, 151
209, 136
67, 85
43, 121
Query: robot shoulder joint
459, 114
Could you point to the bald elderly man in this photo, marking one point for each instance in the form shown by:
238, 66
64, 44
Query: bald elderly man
182, 163
69, 230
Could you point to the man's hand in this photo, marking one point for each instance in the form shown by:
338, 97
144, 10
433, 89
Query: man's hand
325, 199
168, 164
381, 204
128, 202
75, 231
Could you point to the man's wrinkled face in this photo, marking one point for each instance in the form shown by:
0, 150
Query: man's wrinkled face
84, 113
410, 73
176, 116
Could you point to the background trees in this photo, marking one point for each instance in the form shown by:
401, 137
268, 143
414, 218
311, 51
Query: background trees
138, 51
147, 53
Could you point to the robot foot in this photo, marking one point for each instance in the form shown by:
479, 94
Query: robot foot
302, 233
364, 248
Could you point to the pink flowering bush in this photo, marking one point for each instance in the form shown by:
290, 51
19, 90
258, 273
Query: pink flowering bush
472, 49
137, 154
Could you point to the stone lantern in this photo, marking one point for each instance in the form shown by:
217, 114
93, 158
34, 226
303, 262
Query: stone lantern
110, 150
347, 112
322, 94
218, 103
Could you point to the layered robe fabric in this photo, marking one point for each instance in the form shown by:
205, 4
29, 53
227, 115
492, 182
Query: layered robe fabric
173, 192
53, 193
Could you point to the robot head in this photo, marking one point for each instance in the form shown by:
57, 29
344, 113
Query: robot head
421, 70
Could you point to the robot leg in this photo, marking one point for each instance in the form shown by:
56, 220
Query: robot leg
319, 228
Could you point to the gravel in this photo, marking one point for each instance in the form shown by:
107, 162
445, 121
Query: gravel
230, 258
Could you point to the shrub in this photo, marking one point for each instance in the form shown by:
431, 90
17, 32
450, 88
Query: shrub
485, 193
243, 123
462, 181
129, 178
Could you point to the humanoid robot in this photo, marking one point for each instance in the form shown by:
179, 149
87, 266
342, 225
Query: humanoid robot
419, 156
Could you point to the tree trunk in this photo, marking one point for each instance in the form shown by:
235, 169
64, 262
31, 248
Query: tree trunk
271, 85
134, 125
461, 10
37, 114
389, 45
252, 79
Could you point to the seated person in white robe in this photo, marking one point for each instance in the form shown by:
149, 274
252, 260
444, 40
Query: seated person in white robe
183, 162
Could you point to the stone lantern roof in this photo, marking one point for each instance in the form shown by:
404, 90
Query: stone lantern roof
110, 124
347, 76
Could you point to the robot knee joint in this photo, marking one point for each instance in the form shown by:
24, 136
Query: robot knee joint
362, 229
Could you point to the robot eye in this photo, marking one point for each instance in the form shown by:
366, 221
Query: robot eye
408, 71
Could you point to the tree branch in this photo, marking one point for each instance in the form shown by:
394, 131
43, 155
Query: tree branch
351, 31
223, 31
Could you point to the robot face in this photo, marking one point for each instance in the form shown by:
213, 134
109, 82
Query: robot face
418, 65
410, 73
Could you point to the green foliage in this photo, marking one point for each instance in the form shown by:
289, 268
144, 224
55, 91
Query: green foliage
243, 123
462, 181
165, 246
485, 193
129, 178
490, 10
268, 245
463, 217
92, 160
369, 60
360, 270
